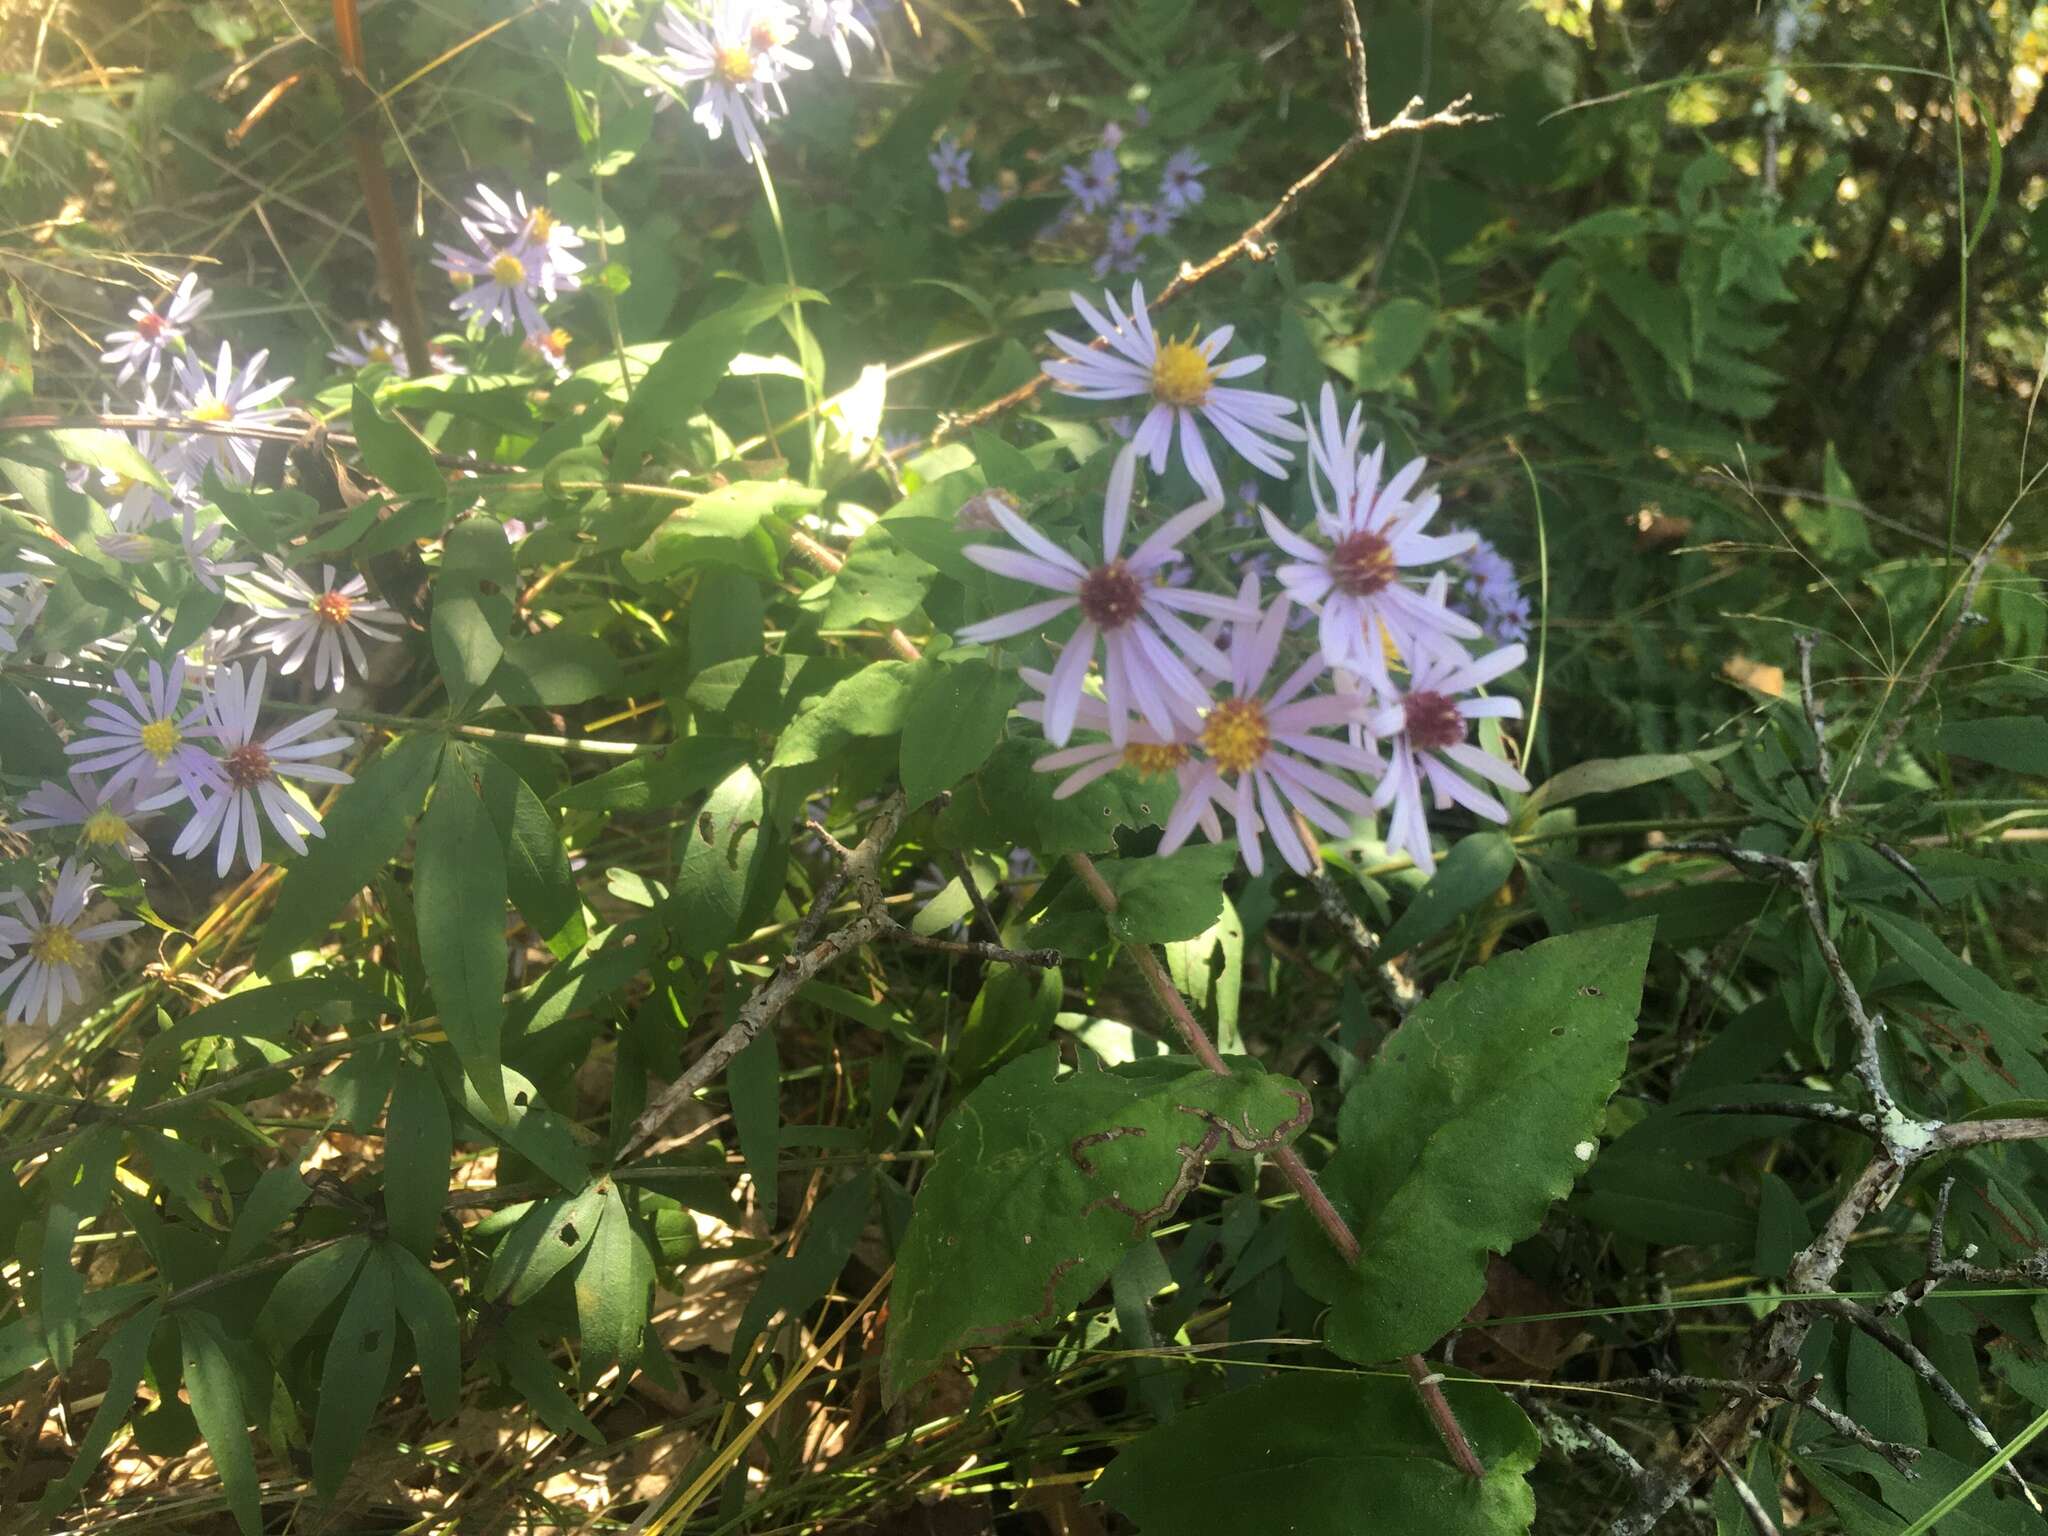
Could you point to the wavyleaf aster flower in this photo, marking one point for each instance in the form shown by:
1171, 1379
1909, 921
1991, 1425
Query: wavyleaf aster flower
1263, 754
1136, 619
251, 770
1425, 727
45, 979
1182, 379
1375, 533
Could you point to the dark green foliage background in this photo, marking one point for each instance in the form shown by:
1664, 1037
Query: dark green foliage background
1706, 399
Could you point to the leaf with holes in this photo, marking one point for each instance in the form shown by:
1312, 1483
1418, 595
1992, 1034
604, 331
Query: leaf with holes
1482, 1109
547, 1240
1081, 1167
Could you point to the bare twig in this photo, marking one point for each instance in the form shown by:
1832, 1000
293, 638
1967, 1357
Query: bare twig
1910, 1356
1363, 942
1251, 243
973, 889
1746, 1496
808, 955
1803, 1396
1896, 1130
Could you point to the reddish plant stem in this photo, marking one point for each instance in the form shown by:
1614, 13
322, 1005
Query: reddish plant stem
365, 144
1291, 1167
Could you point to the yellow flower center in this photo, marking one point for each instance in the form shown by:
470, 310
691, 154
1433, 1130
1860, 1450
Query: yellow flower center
331, 608
1235, 735
1152, 758
56, 946
160, 739
210, 409
507, 270
1180, 374
736, 65
540, 223
379, 353
103, 829
767, 35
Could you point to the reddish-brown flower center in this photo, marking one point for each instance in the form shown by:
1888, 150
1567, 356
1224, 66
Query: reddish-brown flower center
247, 766
1111, 596
151, 326
332, 608
1362, 563
1433, 721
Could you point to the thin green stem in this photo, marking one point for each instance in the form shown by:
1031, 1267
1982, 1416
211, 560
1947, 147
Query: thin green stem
814, 419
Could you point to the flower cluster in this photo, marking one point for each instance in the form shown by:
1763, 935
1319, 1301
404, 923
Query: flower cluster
738, 57
518, 258
147, 748
1096, 208
1377, 716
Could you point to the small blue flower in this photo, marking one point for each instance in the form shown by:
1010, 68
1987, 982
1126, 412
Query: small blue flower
950, 161
1180, 185
1094, 185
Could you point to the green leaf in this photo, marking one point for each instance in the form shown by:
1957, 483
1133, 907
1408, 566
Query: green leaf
722, 527
307, 1290
1655, 310
527, 1126
881, 582
554, 670
1475, 868
678, 770
77, 1183
1163, 899
1010, 1014
1605, 775
753, 1086
1209, 970
428, 1312
364, 832
683, 377
418, 1141
1478, 1112
1326, 1455
1005, 804
546, 1241
459, 898
952, 723
2017, 743
614, 1286
1394, 337
1081, 1168
332, 1001
274, 1196
873, 702
391, 453
472, 611
216, 1401
99, 448
2016, 1025
537, 873
125, 1355
1559, 304
28, 747
352, 1375
719, 862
